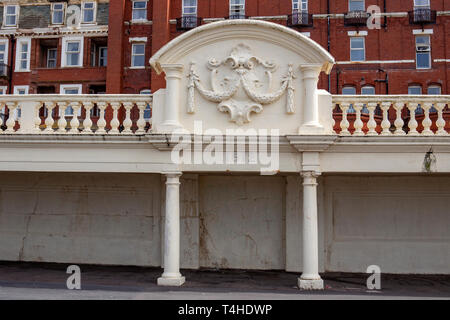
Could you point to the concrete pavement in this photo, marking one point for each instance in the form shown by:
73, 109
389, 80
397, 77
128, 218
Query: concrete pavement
48, 281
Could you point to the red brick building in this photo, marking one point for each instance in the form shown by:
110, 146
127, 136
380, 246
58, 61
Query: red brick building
112, 42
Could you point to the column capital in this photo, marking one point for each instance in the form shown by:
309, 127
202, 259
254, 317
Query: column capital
173, 70
310, 175
310, 71
173, 178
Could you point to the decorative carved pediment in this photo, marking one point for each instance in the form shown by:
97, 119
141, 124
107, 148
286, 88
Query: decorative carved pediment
240, 84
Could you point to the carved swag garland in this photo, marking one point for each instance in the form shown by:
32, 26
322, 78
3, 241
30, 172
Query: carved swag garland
242, 63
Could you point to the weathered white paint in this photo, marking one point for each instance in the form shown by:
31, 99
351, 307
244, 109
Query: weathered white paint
80, 218
242, 222
400, 223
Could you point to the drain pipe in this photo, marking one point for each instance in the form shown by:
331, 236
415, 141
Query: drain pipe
11, 67
329, 41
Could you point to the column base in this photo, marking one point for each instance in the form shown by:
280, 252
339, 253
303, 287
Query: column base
170, 127
311, 129
310, 284
171, 282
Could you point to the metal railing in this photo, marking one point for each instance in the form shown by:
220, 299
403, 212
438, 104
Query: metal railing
356, 18
300, 19
237, 16
422, 16
188, 22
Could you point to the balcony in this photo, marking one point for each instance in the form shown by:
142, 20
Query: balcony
237, 16
188, 22
356, 18
422, 16
300, 19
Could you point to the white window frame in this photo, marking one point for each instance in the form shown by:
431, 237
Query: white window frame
17, 88
241, 11
94, 14
140, 9
349, 5
18, 62
421, 6
62, 89
66, 40
435, 86
63, 13
17, 9
17, 111
429, 51
366, 87
299, 6
6, 52
100, 56
132, 55
359, 49
415, 86
56, 57
3, 90
183, 10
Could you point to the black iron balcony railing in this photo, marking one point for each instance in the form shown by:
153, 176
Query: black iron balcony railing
237, 16
4, 68
422, 16
356, 18
188, 22
300, 19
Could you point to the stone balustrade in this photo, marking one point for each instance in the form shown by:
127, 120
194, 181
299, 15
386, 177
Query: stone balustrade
391, 115
375, 115
75, 114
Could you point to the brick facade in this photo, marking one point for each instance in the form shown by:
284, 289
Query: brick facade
390, 54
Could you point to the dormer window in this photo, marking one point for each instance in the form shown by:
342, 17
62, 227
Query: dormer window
11, 16
88, 12
57, 13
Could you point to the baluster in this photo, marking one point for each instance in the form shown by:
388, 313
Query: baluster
386, 124
11, 122
37, 119
62, 123
87, 123
75, 123
372, 124
344, 123
127, 123
101, 123
358, 122
398, 106
49, 120
440, 123
2, 105
426, 123
412, 107
141, 122
115, 120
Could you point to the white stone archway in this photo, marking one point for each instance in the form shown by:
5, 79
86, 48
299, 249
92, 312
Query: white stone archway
244, 74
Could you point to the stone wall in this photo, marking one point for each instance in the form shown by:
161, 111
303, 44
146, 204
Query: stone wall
401, 223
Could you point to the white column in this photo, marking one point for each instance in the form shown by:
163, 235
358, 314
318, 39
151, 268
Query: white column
174, 73
172, 275
311, 123
310, 278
